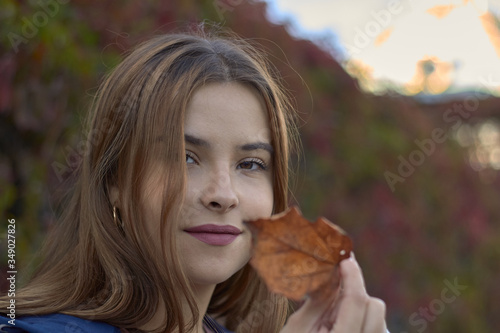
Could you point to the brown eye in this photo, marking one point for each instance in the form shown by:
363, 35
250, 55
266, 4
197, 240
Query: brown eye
254, 164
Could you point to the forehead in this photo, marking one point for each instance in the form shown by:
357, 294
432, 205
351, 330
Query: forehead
230, 110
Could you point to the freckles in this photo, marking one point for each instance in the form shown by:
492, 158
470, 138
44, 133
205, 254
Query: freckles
188, 212
261, 203
190, 208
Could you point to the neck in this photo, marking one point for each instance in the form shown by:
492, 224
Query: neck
202, 295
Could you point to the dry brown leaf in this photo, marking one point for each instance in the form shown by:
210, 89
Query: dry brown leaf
295, 257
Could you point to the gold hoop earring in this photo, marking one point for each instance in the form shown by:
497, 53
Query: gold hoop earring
116, 218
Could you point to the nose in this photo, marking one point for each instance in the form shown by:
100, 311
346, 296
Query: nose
219, 195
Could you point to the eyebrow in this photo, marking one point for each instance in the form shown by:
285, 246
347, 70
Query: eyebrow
257, 146
196, 141
245, 147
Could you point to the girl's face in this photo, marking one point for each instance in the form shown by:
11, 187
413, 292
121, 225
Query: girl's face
229, 180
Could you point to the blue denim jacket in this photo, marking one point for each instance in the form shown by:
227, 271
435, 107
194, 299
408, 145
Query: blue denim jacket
54, 323
61, 323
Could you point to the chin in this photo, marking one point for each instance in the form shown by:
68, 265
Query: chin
210, 281
213, 277
216, 270
211, 265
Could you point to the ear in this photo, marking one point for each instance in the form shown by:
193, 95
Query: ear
114, 195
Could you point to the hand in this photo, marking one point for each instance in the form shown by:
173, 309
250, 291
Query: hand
351, 310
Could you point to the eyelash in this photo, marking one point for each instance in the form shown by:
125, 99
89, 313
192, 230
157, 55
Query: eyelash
191, 155
261, 164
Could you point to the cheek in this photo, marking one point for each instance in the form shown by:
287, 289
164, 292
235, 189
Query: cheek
268, 196
270, 202
194, 190
261, 201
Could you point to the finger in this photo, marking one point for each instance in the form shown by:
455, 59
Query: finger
355, 276
375, 317
352, 283
354, 300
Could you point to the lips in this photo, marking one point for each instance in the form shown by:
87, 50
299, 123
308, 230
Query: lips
213, 234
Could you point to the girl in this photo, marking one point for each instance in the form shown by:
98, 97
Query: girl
189, 137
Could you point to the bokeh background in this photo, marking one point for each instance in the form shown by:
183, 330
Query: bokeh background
410, 169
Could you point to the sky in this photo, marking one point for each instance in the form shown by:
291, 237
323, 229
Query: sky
430, 47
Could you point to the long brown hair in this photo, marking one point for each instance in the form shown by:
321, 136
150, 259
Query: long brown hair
94, 269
